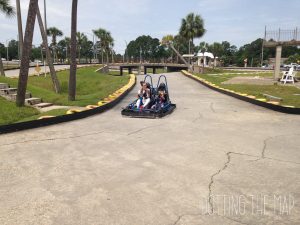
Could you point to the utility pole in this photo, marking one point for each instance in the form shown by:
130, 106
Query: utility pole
45, 26
7, 51
45, 16
262, 48
20, 29
126, 51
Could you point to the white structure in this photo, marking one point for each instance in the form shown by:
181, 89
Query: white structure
288, 76
207, 58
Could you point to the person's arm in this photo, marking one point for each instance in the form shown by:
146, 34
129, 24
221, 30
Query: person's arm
139, 94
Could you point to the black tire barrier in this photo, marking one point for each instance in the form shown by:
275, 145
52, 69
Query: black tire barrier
63, 118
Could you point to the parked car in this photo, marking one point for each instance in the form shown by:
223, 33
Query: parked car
287, 66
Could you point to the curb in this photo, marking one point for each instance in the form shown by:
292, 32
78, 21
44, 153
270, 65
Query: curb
243, 97
90, 111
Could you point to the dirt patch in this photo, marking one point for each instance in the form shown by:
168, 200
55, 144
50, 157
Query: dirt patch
250, 80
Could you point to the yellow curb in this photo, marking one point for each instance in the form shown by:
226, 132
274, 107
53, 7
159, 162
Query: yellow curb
261, 99
274, 103
91, 106
45, 117
72, 111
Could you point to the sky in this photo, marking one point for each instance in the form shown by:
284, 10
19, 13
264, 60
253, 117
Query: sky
236, 21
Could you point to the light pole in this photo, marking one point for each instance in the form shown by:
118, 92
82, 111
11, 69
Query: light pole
141, 55
126, 51
7, 43
45, 15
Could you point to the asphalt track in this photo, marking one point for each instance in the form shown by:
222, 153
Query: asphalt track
214, 160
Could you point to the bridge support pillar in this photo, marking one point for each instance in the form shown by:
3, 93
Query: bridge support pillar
129, 70
277, 62
145, 70
121, 71
154, 70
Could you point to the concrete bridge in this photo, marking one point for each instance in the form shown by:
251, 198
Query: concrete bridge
169, 67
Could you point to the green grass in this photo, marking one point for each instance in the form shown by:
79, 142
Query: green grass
159, 70
54, 112
117, 73
9, 113
284, 92
219, 71
91, 86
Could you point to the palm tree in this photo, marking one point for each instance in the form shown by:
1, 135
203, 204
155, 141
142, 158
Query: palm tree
24, 69
192, 27
9, 11
54, 78
106, 41
216, 49
81, 40
110, 44
73, 66
68, 47
54, 33
6, 8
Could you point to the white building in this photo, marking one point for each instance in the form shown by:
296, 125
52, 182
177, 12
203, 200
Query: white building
207, 58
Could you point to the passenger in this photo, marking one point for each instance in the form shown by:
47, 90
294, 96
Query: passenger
143, 96
160, 100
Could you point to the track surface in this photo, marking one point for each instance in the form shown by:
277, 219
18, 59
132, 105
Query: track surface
108, 169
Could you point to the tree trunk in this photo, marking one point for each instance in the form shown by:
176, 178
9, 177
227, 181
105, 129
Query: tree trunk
54, 78
24, 69
73, 66
112, 56
20, 28
79, 56
180, 56
1, 67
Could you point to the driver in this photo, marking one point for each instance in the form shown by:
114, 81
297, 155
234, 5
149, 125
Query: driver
143, 96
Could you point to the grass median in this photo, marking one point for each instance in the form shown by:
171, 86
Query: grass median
290, 94
91, 88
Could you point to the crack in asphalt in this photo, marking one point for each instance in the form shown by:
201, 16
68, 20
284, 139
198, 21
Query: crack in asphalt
142, 129
228, 154
211, 207
265, 146
212, 107
200, 116
53, 139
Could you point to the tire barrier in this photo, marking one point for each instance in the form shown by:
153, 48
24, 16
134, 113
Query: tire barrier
74, 114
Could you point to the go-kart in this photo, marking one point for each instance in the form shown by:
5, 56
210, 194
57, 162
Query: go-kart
154, 109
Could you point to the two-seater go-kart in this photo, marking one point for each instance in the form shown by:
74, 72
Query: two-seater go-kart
151, 111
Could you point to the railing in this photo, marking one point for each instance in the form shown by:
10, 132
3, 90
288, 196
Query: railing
282, 35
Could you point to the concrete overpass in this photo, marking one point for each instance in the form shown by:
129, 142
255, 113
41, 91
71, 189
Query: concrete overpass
169, 67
